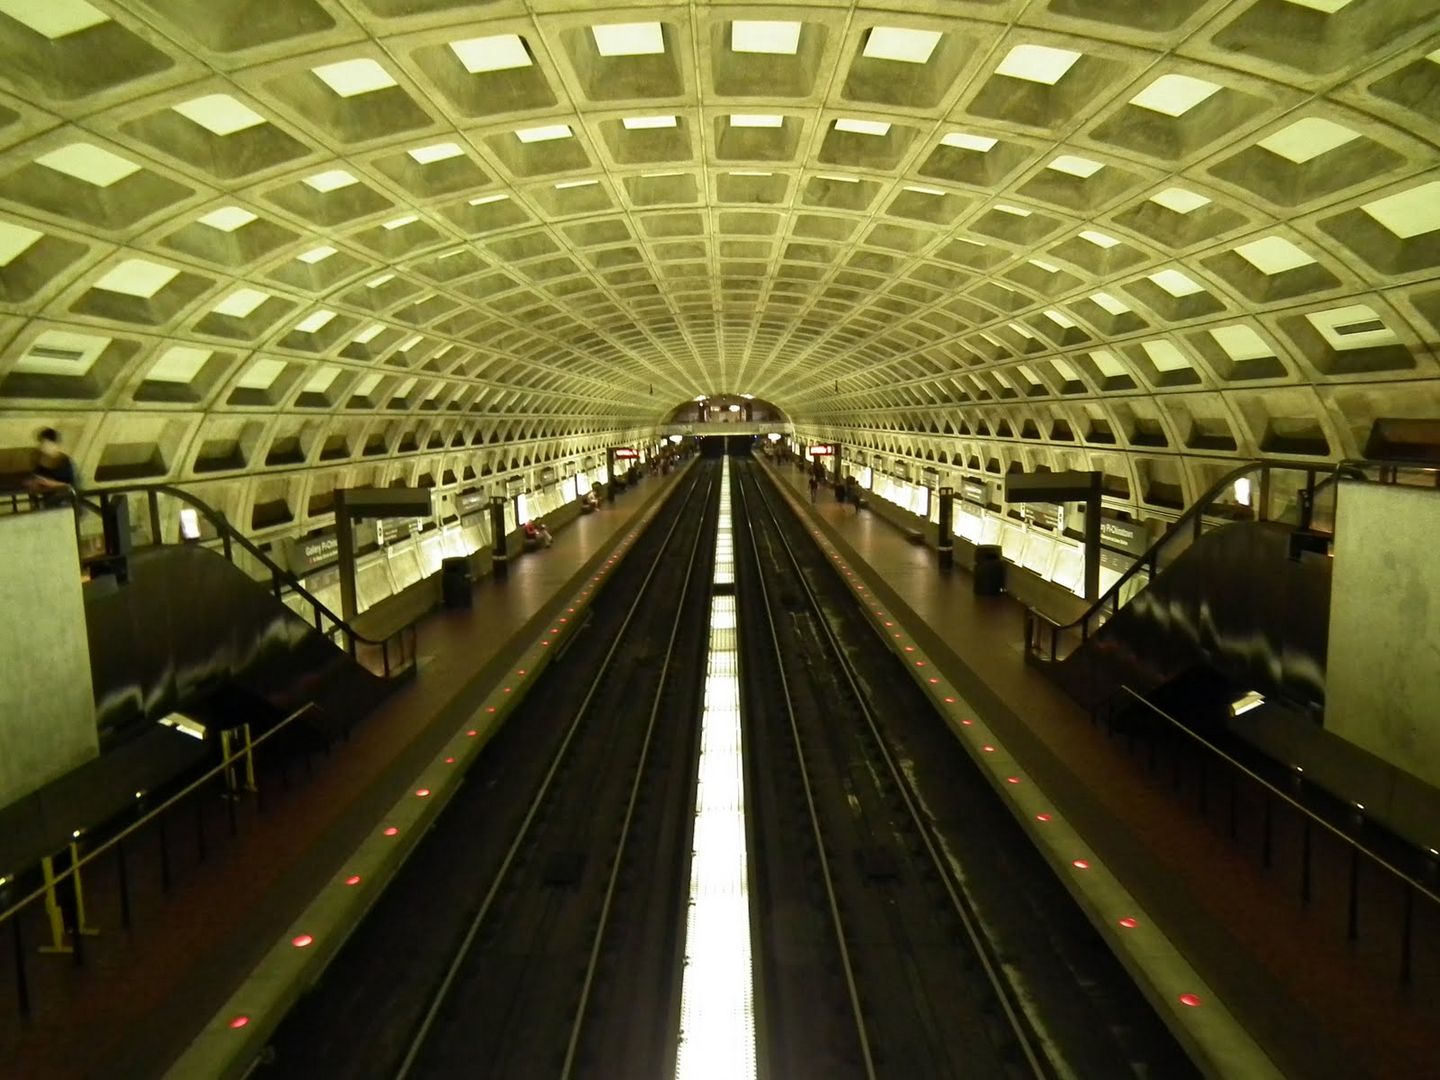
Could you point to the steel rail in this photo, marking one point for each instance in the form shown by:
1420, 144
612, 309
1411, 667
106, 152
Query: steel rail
1035, 1058
462, 952
577, 1028
836, 919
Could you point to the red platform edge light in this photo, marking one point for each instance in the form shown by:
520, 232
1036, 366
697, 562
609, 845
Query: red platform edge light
988, 748
237, 1022
472, 732
1129, 922
353, 879
449, 761
967, 722
1012, 779
392, 831
1193, 1000
300, 941
1042, 817
422, 793
1080, 864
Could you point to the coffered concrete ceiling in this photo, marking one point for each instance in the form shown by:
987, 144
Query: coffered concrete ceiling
276, 245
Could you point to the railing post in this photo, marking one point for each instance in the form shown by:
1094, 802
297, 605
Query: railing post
153, 497
1262, 502
22, 980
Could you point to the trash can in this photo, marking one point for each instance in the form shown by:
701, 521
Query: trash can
989, 570
455, 582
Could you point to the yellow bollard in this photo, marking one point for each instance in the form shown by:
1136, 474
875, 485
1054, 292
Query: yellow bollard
81, 925
228, 761
249, 759
53, 914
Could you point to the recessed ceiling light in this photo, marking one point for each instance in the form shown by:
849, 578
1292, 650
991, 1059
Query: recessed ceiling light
895, 43
862, 127
316, 320
921, 189
401, 222
137, 277
566, 184
376, 282
1326, 7
498, 53
178, 364
369, 334
428, 155
330, 180
315, 255
1273, 255
1037, 63
54, 19
1099, 239
1174, 95
1015, 211
350, 78
1241, 343
1165, 355
764, 36
544, 133
1049, 268
240, 303
219, 114
1075, 166
756, 120
228, 218
87, 162
1355, 326
964, 141
322, 378
482, 200
1060, 319
1176, 284
1180, 200
1110, 303
1408, 213
15, 240
839, 177
749, 172
408, 344
451, 253
640, 123
1308, 138
629, 39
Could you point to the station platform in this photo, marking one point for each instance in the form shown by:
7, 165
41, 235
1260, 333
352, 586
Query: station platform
142, 996
1317, 1005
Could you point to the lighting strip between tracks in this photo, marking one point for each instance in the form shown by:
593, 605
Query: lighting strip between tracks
717, 1015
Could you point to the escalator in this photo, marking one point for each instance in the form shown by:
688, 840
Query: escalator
1233, 599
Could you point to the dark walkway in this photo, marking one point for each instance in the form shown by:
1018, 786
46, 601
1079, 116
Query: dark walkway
1321, 1007
140, 998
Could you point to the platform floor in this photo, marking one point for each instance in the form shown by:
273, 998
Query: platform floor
137, 1002
1319, 1006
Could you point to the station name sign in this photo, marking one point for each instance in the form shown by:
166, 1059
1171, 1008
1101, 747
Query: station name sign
469, 503
821, 451
1129, 537
626, 453
973, 492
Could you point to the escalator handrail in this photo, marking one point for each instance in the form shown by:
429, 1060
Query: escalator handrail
1187, 520
229, 534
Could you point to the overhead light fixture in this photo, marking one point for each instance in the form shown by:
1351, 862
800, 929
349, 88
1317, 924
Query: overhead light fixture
376, 282
1099, 239
964, 141
895, 43
228, 218
351, 78
566, 184
756, 120
219, 114
185, 725
862, 127
1174, 95
765, 36
315, 255
330, 180
921, 189
482, 200
544, 133
400, 222
1013, 211
90, 163
1037, 63
428, 155
1242, 491
629, 39
1179, 200
1308, 138
640, 123
316, 320
1252, 699
501, 52
1176, 284
1073, 165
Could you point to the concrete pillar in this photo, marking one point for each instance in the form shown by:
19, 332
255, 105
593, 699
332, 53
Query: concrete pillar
499, 555
945, 543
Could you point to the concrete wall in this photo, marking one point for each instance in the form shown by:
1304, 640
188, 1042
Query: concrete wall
1383, 673
47, 705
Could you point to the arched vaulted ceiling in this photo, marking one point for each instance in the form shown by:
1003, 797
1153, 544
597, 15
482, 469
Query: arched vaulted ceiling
292, 243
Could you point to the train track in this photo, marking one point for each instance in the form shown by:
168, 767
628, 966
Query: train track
911, 929
521, 993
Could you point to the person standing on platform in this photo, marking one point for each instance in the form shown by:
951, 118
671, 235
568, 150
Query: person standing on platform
814, 486
53, 477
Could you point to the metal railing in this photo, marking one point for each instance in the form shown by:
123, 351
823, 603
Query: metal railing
1226, 786
1048, 640
70, 914
391, 655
